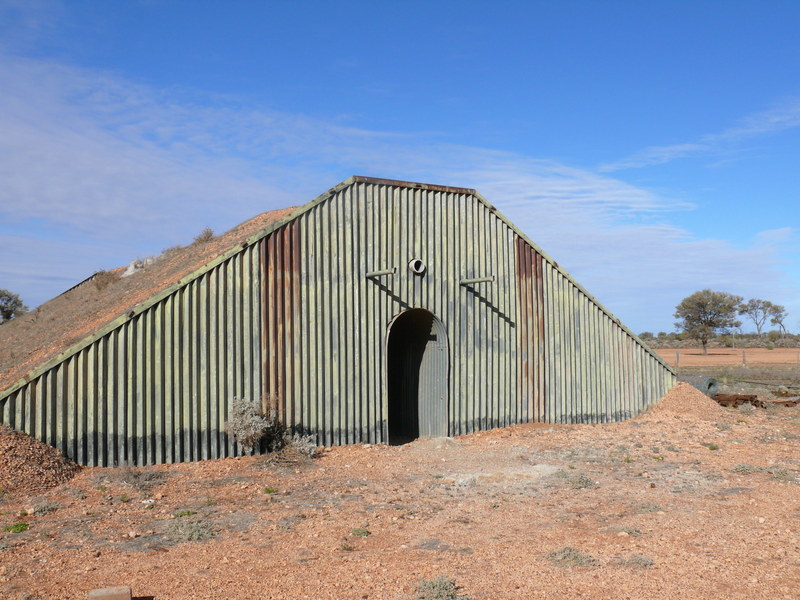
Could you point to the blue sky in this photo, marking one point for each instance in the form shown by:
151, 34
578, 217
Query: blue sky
651, 148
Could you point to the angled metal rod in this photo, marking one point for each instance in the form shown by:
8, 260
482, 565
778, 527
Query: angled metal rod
489, 279
381, 273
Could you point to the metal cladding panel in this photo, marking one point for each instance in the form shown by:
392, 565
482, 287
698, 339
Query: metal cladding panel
596, 371
345, 315
530, 334
280, 310
157, 388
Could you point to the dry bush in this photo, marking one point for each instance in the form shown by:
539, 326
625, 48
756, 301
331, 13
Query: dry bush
251, 428
204, 236
166, 252
102, 279
440, 588
141, 479
191, 531
638, 561
570, 557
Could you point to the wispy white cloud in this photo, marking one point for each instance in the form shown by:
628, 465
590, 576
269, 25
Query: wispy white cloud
615, 239
779, 118
98, 170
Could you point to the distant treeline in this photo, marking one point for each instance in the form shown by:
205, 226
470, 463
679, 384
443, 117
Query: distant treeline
770, 339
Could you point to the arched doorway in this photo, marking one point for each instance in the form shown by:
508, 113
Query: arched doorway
417, 365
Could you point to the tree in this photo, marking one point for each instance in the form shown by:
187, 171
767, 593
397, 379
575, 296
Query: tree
777, 314
757, 310
706, 313
10, 306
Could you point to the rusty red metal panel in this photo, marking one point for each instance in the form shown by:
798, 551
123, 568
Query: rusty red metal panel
530, 299
280, 305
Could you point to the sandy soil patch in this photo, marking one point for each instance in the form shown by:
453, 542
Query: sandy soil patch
687, 501
694, 357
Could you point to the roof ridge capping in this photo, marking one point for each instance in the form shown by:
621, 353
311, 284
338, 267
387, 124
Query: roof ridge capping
409, 184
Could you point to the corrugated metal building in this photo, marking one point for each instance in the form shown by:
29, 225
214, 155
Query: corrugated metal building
380, 311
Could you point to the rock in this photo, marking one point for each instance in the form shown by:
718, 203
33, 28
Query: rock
121, 592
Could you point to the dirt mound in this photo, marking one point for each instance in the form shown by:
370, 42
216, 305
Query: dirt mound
28, 466
42, 334
686, 401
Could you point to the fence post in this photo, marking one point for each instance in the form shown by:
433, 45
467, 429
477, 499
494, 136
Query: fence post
678, 358
744, 358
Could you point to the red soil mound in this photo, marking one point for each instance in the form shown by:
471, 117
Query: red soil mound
28, 466
685, 401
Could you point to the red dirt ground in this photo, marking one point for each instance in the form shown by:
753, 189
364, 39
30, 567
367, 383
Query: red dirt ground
694, 357
687, 501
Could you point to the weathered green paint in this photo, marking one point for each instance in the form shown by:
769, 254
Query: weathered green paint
299, 315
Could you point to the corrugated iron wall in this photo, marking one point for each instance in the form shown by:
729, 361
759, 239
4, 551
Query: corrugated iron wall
595, 370
299, 319
531, 334
280, 336
345, 315
158, 387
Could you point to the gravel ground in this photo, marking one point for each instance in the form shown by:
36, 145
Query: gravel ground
689, 500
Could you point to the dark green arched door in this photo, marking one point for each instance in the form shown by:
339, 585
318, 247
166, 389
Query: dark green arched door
418, 368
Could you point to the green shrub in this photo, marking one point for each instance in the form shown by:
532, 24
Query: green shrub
45, 508
638, 561
361, 532
570, 557
440, 588
745, 469
191, 531
580, 482
16, 528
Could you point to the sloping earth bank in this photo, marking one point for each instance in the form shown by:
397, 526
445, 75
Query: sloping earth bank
687, 501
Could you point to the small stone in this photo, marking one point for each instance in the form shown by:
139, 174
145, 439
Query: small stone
623, 534
652, 484
30, 511
133, 534
111, 593
761, 519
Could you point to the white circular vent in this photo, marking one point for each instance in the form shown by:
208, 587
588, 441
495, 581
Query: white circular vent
416, 266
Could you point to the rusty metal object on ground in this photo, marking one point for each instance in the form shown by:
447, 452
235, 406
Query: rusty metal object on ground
734, 400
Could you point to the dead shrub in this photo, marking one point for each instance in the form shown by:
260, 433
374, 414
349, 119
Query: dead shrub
251, 428
638, 561
570, 557
204, 236
102, 279
141, 479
